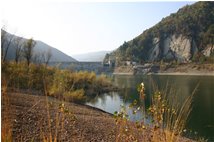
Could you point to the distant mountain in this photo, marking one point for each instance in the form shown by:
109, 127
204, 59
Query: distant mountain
57, 55
91, 56
185, 36
40, 48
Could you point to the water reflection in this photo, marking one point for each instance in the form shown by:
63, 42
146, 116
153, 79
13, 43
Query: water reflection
202, 116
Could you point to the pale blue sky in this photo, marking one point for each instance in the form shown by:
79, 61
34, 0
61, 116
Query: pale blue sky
76, 28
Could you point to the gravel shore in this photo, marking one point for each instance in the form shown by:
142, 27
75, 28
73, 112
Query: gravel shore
28, 115
40, 118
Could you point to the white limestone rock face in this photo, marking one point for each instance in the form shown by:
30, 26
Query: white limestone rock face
155, 51
167, 43
208, 50
167, 52
181, 47
174, 47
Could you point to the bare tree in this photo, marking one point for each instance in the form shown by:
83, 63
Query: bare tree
6, 40
42, 57
18, 43
28, 50
3, 39
37, 58
47, 56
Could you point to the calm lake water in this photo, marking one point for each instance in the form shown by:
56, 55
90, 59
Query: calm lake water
201, 119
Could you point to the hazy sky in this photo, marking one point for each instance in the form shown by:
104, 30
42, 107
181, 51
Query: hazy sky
83, 27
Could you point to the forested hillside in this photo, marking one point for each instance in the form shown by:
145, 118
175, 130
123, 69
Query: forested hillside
185, 36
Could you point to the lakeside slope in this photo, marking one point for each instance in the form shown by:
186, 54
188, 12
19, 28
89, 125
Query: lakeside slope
37, 118
29, 120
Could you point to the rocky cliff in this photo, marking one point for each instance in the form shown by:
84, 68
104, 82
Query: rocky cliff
175, 47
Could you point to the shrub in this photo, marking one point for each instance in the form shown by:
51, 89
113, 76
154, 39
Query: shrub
74, 96
67, 81
54, 82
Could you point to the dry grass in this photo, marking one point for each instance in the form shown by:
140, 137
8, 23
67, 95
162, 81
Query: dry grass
167, 115
60, 83
74, 96
53, 135
6, 128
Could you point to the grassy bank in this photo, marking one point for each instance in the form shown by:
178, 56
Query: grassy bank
63, 84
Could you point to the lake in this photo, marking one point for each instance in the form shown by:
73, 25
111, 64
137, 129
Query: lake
201, 119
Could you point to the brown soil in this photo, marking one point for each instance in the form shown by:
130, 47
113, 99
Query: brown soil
29, 121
